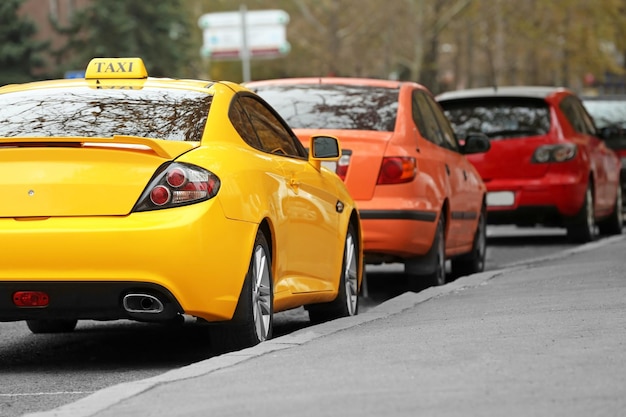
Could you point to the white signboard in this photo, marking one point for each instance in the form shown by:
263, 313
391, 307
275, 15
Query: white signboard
264, 31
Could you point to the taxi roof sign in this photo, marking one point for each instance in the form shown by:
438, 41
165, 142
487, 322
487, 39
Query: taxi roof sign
116, 68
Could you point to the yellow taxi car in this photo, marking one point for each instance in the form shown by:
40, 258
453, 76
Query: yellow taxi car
154, 199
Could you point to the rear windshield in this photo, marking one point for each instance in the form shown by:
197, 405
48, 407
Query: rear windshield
323, 106
499, 118
178, 115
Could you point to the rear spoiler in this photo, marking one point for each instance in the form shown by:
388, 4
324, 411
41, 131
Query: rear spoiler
133, 143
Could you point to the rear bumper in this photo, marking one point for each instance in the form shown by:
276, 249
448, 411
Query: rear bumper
87, 300
548, 200
395, 235
193, 256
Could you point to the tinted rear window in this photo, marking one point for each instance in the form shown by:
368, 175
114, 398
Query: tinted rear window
323, 106
83, 112
499, 118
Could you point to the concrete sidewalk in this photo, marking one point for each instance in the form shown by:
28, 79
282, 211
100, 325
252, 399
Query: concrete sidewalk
545, 338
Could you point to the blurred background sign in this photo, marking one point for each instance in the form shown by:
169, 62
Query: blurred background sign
244, 35
75, 74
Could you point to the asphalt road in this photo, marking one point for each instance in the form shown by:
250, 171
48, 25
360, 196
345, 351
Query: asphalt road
541, 339
41, 372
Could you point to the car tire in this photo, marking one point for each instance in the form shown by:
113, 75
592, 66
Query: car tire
614, 224
253, 320
437, 258
51, 326
474, 261
582, 228
347, 301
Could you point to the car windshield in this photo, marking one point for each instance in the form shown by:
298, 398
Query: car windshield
326, 106
498, 118
607, 113
178, 115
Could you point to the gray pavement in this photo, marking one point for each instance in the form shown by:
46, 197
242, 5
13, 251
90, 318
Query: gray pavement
544, 338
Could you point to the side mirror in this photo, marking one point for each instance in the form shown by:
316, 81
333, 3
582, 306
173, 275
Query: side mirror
323, 148
611, 132
476, 143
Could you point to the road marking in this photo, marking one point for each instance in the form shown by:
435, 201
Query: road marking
25, 394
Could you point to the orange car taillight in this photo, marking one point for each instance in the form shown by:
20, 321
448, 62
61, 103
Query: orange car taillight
177, 185
396, 170
342, 164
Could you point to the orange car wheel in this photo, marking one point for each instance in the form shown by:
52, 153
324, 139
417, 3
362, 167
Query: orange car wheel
429, 270
474, 261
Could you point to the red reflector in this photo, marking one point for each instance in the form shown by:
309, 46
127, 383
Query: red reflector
30, 299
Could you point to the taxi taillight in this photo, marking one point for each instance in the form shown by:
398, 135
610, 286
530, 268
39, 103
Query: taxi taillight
178, 184
396, 170
30, 299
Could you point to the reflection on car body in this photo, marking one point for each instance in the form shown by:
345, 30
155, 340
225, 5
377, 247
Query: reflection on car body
421, 202
151, 199
547, 164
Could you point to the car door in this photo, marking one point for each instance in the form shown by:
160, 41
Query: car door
596, 149
465, 182
444, 166
610, 164
308, 246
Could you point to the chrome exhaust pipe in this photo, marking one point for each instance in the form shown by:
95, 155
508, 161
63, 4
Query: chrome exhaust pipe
142, 303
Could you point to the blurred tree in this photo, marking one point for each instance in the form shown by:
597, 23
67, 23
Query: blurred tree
160, 32
560, 42
444, 44
441, 13
19, 52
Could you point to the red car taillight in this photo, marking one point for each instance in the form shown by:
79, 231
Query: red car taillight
396, 170
178, 185
554, 153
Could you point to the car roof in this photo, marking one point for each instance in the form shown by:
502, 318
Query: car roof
608, 97
118, 73
369, 82
539, 92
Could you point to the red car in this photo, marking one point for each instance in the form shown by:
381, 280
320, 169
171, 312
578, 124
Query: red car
547, 165
420, 200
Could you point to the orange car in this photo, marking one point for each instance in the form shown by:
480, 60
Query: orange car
421, 202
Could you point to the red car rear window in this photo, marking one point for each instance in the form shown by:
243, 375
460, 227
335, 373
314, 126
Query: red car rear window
498, 118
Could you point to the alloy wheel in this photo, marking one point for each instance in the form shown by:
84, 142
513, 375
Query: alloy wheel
351, 275
261, 293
